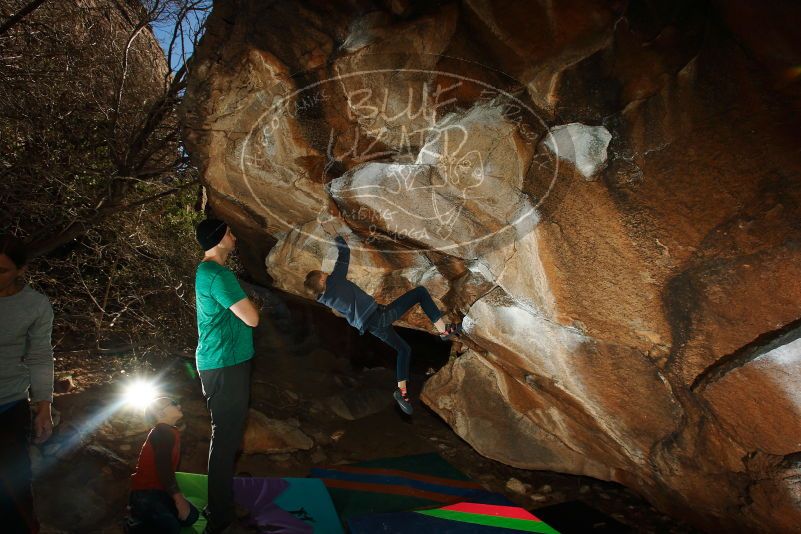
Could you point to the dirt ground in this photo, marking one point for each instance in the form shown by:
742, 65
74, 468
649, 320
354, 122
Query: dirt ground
306, 359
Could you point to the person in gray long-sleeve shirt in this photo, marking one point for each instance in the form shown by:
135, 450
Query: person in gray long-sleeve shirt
26, 371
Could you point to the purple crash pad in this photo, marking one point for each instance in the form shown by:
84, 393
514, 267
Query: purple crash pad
258, 495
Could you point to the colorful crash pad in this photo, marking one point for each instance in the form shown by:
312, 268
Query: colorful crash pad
459, 518
279, 505
397, 484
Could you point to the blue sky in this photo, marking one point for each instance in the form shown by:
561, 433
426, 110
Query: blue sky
163, 30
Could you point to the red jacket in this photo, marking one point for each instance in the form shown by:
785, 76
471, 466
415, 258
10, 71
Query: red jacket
158, 460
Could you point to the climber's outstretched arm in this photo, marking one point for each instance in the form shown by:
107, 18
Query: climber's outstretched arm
343, 259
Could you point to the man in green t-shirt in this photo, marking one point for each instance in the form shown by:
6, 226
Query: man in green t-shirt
225, 322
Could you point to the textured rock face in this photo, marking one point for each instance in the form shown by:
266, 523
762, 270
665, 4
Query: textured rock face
613, 207
271, 436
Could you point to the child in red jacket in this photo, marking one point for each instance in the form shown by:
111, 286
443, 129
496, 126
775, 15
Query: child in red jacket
157, 505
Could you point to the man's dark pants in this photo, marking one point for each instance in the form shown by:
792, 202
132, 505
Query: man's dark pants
16, 497
227, 392
380, 324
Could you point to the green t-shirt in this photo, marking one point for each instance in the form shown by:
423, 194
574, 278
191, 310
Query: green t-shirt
223, 339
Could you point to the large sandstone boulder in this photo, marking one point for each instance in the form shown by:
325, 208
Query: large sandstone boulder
608, 193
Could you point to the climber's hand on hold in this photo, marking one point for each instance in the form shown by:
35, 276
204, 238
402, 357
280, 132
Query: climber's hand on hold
328, 218
330, 226
333, 210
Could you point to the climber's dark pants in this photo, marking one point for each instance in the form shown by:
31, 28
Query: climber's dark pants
16, 497
227, 392
380, 324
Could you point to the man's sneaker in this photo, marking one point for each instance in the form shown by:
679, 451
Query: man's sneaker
238, 526
240, 512
403, 401
240, 522
452, 330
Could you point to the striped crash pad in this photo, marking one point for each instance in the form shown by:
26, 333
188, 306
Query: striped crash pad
278, 505
397, 484
459, 518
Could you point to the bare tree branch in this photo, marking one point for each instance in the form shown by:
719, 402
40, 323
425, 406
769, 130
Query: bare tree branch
92, 168
79, 227
14, 19
120, 88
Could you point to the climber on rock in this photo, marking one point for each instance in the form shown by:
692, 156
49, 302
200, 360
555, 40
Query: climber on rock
365, 314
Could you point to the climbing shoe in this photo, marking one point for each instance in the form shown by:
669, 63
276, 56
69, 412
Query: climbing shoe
452, 330
403, 401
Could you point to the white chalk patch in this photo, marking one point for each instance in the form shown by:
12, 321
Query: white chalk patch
583, 146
